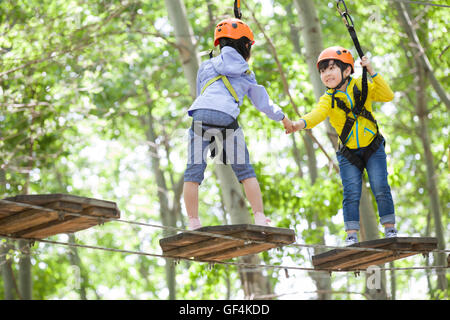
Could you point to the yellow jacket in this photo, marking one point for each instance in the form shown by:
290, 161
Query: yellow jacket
363, 130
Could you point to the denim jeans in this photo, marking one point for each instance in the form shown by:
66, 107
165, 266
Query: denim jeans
351, 178
198, 148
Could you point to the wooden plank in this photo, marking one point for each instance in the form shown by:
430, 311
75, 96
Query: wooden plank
203, 247
8, 209
43, 230
101, 212
206, 247
405, 243
384, 260
349, 260
25, 219
341, 259
187, 238
40, 199
69, 225
39, 223
65, 206
239, 251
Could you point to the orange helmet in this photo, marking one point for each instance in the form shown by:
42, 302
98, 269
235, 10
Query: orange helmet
337, 53
232, 28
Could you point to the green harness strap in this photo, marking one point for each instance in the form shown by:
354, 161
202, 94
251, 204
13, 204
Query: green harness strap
227, 84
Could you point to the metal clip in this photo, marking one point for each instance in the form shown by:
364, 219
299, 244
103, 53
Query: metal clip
61, 216
341, 12
344, 14
357, 273
101, 221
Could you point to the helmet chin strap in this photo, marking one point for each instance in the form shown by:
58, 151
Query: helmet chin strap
340, 83
338, 86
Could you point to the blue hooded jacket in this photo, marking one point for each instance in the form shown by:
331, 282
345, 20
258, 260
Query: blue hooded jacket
217, 97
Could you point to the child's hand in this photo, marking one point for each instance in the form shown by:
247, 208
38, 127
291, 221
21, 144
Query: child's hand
288, 125
365, 62
298, 125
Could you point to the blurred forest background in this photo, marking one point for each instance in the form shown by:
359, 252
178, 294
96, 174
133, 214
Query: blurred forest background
93, 100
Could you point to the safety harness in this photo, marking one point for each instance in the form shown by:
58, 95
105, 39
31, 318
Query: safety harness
359, 109
223, 129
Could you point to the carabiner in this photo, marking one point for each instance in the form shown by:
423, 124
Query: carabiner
339, 9
344, 14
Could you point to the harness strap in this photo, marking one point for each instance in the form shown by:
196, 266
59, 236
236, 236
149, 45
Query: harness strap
234, 125
237, 9
361, 161
348, 21
227, 84
357, 110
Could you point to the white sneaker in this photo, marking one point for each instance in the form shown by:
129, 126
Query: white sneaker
351, 238
194, 223
390, 232
261, 219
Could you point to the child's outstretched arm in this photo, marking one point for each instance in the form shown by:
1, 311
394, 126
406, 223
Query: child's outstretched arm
298, 125
313, 118
288, 124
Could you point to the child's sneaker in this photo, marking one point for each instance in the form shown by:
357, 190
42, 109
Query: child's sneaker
261, 219
390, 232
194, 223
351, 238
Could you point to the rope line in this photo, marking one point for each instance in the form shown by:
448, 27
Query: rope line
423, 3
212, 262
204, 233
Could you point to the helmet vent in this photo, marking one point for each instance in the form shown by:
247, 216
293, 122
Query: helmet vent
339, 52
234, 25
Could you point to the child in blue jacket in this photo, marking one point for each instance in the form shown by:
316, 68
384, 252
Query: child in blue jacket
222, 84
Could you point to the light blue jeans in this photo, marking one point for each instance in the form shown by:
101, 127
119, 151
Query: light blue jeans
351, 178
236, 148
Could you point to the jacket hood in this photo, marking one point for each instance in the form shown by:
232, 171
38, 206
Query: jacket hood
229, 62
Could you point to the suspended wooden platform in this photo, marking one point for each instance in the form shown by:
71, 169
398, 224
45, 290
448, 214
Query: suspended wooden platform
19, 220
355, 260
204, 247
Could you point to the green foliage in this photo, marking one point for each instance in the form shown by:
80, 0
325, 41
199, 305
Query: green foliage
82, 83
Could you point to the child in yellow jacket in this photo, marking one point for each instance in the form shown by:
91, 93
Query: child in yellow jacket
361, 143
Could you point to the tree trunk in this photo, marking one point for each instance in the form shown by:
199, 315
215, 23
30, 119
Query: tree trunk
78, 269
231, 188
423, 72
422, 113
25, 276
312, 35
7, 271
185, 40
405, 20
166, 214
253, 282
312, 39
